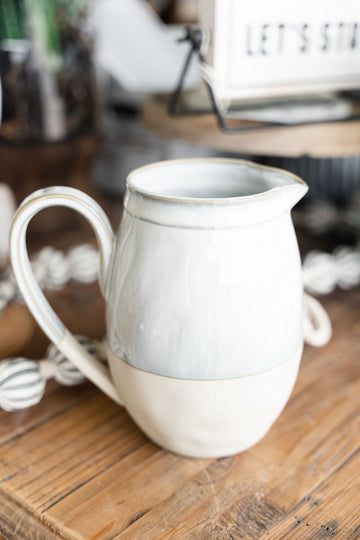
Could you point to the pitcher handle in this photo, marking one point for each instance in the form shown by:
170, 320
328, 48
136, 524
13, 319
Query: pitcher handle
53, 327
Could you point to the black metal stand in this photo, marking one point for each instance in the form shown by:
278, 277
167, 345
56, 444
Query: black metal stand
195, 38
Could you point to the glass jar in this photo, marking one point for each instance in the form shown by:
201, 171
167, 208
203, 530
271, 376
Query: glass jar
48, 81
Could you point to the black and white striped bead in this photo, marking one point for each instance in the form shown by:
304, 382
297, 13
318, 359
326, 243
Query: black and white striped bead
65, 372
21, 384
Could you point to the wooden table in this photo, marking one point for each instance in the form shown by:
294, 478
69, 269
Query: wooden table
76, 466
331, 139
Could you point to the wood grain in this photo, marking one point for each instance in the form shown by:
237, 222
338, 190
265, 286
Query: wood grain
77, 466
15, 523
316, 140
316, 514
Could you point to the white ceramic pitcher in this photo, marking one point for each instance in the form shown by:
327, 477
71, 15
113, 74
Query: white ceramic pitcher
204, 299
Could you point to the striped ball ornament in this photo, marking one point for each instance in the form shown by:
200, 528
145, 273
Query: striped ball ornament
65, 372
21, 384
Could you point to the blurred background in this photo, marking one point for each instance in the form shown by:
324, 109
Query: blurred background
92, 89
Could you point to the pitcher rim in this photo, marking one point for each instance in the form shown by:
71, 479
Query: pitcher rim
203, 200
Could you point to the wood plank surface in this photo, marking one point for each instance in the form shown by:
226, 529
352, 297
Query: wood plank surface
331, 139
15, 523
76, 466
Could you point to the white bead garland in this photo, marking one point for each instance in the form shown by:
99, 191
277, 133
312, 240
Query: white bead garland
53, 269
22, 381
323, 272
321, 216
83, 263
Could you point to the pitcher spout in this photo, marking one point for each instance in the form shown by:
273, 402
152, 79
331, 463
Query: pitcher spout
290, 194
293, 193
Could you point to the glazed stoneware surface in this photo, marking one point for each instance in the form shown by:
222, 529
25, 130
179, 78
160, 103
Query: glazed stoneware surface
206, 283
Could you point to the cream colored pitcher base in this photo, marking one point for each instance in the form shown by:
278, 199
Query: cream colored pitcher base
205, 418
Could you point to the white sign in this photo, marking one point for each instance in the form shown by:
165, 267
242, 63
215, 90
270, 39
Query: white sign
279, 47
